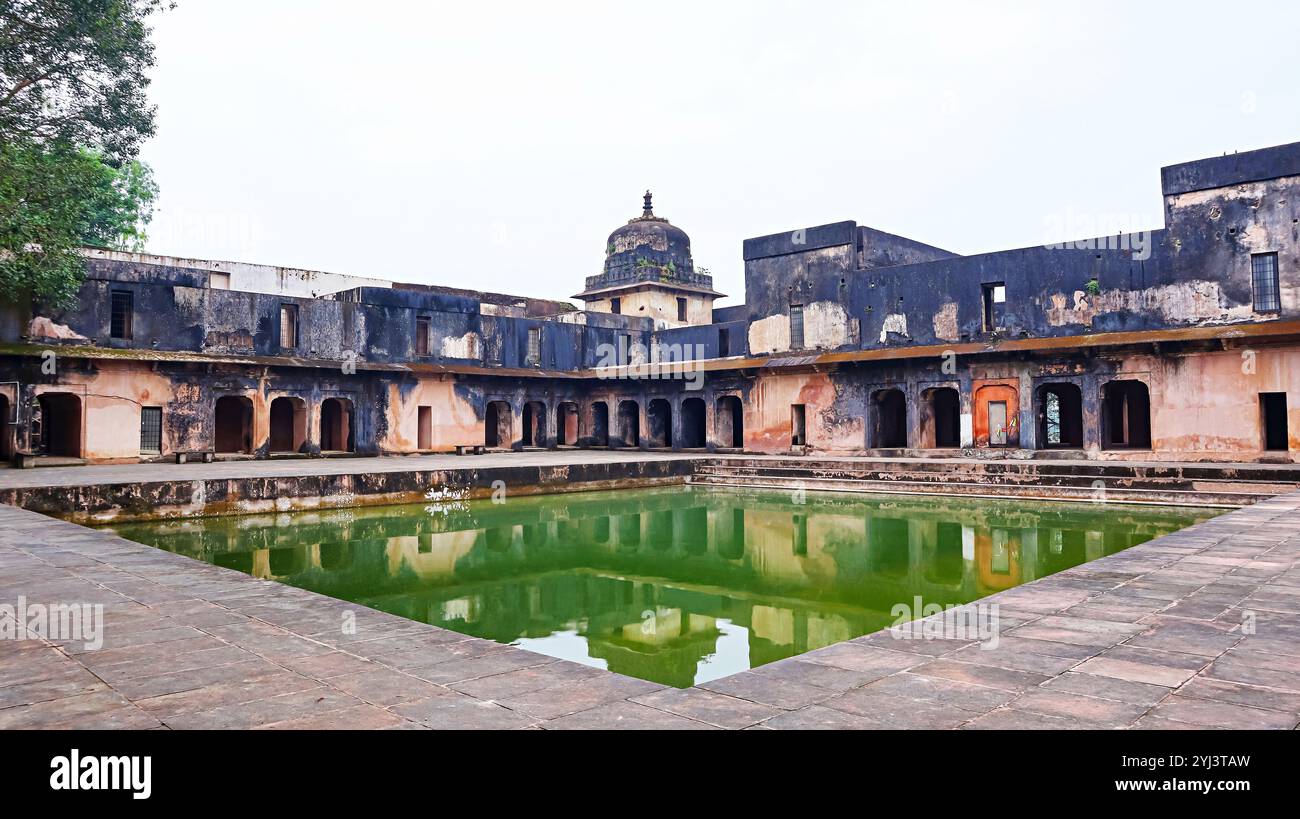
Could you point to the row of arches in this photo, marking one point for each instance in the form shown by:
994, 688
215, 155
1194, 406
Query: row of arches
1125, 417
287, 425
623, 429
56, 426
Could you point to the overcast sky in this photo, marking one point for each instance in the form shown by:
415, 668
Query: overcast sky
496, 145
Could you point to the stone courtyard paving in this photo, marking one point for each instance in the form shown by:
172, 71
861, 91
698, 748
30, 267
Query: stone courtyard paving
1200, 628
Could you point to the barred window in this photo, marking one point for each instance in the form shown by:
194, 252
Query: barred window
121, 314
1264, 282
288, 326
534, 346
796, 327
151, 430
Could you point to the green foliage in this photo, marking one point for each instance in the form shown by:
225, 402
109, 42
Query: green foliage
73, 112
1093, 287
53, 201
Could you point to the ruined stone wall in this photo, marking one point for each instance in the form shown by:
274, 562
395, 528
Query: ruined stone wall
706, 339
860, 289
174, 309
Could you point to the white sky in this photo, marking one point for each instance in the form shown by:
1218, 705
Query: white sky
496, 145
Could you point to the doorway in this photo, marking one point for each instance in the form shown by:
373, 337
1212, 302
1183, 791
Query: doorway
497, 432
233, 423
1272, 407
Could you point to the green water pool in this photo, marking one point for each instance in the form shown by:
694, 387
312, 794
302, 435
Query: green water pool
677, 585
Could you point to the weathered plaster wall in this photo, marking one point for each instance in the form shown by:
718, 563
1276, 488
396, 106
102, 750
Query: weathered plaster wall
658, 305
456, 415
1208, 403
1194, 271
1204, 402
706, 338
113, 394
831, 424
1213, 232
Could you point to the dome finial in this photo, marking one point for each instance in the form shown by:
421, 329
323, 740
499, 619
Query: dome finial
648, 211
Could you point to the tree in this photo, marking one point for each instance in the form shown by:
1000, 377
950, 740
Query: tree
74, 71
53, 201
73, 113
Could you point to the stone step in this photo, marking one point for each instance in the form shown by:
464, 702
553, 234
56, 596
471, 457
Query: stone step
1279, 473
1144, 495
1017, 479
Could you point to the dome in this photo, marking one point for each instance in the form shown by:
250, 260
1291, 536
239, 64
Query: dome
648, 252
648, 241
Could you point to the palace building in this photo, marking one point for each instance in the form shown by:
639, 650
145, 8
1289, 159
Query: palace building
1182, 345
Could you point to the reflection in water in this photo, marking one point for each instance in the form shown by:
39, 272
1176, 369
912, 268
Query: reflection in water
678, 585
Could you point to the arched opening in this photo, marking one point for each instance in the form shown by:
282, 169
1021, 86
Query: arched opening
497, 433
566, 423
693, 435
58, 428
600, 424
1125, 415
1060, 416
888, 419
233, 424
534, 424
659, 423
288, 425
941, 418
729, 422
629, 424
336, 429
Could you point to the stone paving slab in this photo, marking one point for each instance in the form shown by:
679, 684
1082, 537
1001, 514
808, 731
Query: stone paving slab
1199, 628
